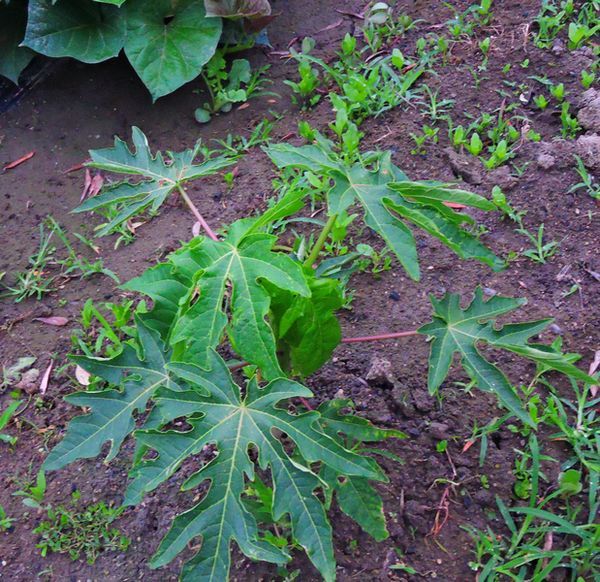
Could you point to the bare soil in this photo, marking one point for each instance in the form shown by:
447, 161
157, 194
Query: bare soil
75, 108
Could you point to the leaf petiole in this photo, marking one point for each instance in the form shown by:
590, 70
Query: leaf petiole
314, 253
379, 337
196, 213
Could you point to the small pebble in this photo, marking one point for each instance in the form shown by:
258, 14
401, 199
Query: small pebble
555, 329
394, 296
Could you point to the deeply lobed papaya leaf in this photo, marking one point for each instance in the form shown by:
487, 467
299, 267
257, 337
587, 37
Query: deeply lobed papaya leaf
389, 199
232, 274
357, 498
136, 377
456, 330
209, 288
235, 424
158, 177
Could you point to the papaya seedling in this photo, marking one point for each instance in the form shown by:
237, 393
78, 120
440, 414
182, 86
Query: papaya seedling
246, 294
158, 176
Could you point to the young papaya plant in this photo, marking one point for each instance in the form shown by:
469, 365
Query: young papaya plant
243, 293
389, 200
157, 178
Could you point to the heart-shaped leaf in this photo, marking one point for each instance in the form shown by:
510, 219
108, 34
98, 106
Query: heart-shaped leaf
13, 21
168, 42
83, 29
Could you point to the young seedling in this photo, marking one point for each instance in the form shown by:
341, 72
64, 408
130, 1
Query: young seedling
551, 19
5, 521
429, 134
558, 92
88, 532
484, 47
541, 102
541, 250
587, 180
580, 33
433, 108
587, 79
236, 146
35, 280
5, 418
225, 87
33, 493
570, 125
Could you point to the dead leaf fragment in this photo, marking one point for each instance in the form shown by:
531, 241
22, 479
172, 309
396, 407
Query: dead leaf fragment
18, 162
46, 378
56, 320
83, 376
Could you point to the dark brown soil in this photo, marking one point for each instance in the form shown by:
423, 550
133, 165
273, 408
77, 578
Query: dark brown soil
80, 107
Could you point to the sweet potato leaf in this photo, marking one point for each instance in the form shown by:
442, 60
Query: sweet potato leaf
13, 58
389, 200
158, 177
456, 330
135, 379
83, 29
169, 42
236, 424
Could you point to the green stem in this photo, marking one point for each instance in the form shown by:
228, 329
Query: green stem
314, 253
209, 232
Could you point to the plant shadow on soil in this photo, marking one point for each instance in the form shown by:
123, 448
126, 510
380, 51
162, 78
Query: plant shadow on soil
77, 107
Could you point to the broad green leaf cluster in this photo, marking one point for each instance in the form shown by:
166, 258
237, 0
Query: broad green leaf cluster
266, 467
167, 42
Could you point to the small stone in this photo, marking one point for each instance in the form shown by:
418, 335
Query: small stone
503, 177
413, 432
394, 296
558, 47
483, 497
489, 291
555, 329
415, 516
380, 373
